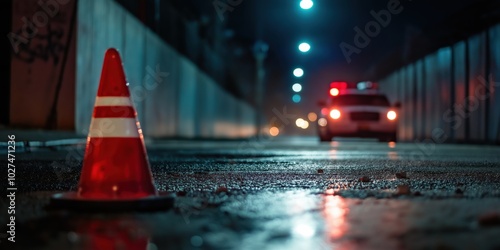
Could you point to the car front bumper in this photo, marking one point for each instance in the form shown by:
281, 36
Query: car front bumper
359, 128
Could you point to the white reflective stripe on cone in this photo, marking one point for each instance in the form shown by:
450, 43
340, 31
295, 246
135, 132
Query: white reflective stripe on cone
112, 101
114, 127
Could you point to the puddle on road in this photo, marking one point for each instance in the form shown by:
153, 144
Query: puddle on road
279, 219
120, 233
282, 220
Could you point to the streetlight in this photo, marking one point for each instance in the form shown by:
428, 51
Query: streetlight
304, 47
306, 4
298, 72
297, 87
296, 98
260, 49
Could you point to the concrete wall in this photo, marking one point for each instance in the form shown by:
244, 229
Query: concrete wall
42, 84
184, 103
452, 94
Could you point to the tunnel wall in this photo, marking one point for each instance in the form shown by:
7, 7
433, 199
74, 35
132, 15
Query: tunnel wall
451, 95
172, 96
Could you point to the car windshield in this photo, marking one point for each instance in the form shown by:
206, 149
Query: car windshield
360, 100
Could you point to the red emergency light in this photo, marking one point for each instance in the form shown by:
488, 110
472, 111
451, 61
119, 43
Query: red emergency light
336, 87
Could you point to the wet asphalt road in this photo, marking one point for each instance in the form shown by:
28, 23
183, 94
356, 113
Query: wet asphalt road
291, 193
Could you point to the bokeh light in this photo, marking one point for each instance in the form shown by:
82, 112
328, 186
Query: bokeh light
335, 114
296, 98
322, 122
274, 131
306, 4
334, 92
305, 125
298, 72
304, 47
299, 122
297, 87
312, 117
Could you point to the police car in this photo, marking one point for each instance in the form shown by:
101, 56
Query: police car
357, 110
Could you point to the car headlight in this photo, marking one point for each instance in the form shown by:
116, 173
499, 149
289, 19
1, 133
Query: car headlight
335, 114
391, 115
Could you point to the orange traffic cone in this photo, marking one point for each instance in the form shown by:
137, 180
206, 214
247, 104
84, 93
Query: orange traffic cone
116, 172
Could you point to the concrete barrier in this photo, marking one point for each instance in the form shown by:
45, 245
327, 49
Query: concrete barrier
494, 114
452, 93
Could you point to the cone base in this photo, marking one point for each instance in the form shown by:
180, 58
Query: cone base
71, 201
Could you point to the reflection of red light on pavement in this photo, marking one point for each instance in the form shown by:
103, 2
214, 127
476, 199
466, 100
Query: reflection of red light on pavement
114, 234
393, 155
335, 211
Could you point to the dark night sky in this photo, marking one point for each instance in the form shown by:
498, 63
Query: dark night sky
283, 25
